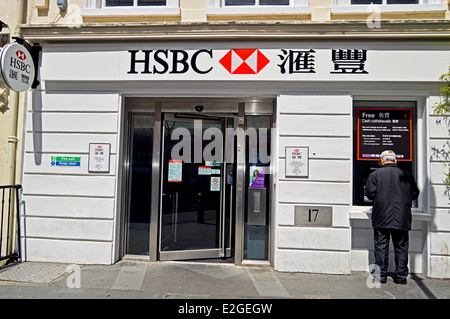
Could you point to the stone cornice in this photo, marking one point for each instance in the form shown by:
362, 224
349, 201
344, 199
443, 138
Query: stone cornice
272, 30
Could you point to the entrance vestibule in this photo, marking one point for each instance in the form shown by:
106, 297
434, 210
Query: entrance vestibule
197, 180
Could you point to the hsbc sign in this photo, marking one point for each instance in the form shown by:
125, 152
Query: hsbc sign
17, 67
235, 61
244, 61
168, 61
227, 61
283, 62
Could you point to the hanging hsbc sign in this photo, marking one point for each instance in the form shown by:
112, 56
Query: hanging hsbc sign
17, 67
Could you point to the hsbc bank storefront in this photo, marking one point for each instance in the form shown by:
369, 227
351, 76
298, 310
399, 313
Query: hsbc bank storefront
249, 152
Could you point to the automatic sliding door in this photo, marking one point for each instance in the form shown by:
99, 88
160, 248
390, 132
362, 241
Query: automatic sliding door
194, 185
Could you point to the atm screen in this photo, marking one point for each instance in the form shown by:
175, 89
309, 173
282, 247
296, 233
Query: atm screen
380, 126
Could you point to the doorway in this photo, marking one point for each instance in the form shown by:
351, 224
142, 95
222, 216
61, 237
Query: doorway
196, 212
189, 189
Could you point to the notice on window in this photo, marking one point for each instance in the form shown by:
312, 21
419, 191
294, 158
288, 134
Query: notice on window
204, 170
175, 171
381, 129
215, 184
212, 163
297, 161
257, 177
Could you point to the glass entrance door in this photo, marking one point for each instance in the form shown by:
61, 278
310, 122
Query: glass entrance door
196, 210
139, 184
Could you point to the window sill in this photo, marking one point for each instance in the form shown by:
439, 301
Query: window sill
388, 8
257, 10
129, 12
365, 212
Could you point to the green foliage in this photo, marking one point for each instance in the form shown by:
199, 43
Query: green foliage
443, 108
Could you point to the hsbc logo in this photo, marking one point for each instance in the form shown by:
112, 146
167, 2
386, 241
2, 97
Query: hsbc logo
17, 67
244, 61
21, 55
235, 61
298, 62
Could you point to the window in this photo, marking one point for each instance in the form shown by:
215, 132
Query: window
130, 7
134, 3
258, 6
345, 6
401, 3
385, 1
257, 220
380, 126
256, 2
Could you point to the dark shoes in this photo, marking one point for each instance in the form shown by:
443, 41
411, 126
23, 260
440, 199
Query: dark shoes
400, 282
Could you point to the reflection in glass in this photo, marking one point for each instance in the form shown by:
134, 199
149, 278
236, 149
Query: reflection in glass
191, 205
140, 178
258, 175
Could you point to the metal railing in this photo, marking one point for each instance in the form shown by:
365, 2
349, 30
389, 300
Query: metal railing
10, 222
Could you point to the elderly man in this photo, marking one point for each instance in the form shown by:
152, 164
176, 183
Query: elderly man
392, 191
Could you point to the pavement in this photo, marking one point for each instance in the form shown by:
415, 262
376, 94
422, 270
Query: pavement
184, 281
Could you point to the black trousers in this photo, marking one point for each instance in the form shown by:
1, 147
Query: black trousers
400, 239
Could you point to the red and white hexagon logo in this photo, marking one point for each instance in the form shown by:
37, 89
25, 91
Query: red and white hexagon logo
244, 61
21, 55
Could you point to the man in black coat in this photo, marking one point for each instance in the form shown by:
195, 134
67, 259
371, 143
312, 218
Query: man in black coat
392, 191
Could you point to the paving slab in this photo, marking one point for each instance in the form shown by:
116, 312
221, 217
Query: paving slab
183, 280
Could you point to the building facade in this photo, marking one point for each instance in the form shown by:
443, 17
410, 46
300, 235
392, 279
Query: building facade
233, 130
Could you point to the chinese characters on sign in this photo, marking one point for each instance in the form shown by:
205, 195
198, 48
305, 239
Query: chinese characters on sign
99, 155
297, 161
298, 61
303, 61
245, 61
380, 129
349, 61
16, 67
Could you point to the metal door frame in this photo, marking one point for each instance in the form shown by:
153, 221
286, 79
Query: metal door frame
194, 253
157, 106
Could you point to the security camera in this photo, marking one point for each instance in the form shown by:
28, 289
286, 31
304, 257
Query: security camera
199, 108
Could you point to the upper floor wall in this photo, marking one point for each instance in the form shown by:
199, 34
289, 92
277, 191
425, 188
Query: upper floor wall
122, 11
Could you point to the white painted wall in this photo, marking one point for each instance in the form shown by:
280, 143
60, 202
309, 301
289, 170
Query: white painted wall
69, 213
324, 124
439, 236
